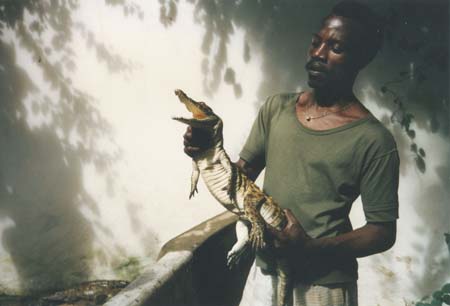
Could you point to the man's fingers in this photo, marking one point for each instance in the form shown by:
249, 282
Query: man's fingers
188, 131
190, 147
272, 231
191, 150
187, 143
197, 137
279, 235
290, 217
187, 136
187, 152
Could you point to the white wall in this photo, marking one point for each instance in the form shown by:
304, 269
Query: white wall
113, 221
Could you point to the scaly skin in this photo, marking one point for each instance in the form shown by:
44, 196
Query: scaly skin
236, 192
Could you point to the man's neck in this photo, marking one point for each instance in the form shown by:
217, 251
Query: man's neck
329, 98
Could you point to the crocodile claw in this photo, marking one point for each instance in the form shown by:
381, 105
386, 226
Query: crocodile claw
234, 257
192, 193
256, 238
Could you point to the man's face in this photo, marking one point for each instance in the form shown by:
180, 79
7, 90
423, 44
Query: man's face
331, 57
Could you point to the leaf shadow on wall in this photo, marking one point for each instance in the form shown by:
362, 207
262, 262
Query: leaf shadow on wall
41, 190
50, 240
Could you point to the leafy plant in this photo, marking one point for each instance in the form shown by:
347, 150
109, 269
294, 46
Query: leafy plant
441, 296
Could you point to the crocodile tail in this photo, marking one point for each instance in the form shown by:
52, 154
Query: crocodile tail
285, 282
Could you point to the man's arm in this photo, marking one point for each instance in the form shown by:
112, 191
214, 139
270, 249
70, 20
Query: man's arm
370, 239
251, 170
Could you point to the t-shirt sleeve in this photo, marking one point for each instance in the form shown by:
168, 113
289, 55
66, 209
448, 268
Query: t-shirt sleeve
255, 146
379, 188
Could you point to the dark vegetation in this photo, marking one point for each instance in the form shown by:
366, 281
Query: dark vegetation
440, 296
85, 294
41, 188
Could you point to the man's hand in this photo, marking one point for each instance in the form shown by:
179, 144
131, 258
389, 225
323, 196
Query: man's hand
293, 238
196, 141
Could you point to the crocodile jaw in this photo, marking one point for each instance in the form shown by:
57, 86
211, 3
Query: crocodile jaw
197, 123
203, 116
197, 109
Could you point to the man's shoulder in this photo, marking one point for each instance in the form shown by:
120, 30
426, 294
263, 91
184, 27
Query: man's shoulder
377, 138
283, 96
278, 101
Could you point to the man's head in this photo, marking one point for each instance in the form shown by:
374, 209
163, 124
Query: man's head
349, 38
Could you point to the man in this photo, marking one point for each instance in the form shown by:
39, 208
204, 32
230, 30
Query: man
322, 149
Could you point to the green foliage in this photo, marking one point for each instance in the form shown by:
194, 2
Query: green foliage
441, 296
446, 288
421, 86
438, 298
129, 269
404, 118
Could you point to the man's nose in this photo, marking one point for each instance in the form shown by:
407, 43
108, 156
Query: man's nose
320, 52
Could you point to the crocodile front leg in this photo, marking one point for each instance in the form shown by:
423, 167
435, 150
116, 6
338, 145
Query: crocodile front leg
194, 179
252, 200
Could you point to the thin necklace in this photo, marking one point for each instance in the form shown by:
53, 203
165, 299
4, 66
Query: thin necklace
309, 117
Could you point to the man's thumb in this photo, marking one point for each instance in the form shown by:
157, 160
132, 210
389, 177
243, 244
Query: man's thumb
290, 216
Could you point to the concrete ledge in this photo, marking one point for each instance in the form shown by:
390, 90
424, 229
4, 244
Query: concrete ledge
149, 288
196, 236
177, 278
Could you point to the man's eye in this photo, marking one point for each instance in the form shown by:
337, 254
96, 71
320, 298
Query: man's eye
338, 49
315, 42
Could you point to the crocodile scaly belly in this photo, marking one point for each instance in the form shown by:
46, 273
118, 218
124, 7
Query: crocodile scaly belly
217, 180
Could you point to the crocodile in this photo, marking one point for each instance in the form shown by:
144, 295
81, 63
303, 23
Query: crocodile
230, 186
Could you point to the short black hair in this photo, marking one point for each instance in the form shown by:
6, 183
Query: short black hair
372, 23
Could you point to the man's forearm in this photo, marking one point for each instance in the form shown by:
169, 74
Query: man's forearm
251, 170
370, 239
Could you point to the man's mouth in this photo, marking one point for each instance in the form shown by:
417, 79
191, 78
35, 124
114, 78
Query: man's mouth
318, 76
315, 73
315, 68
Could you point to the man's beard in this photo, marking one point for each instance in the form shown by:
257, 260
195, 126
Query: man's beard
317, 73
315, 65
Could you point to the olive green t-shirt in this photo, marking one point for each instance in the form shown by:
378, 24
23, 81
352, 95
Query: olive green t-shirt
319, 174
